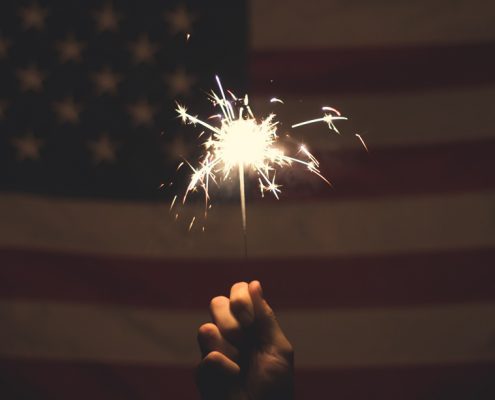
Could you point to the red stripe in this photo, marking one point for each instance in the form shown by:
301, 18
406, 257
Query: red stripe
443, 168
389, 280
371, 69
63, 380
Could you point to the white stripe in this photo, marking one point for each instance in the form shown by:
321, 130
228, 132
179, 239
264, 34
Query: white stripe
417, 118
327, 338
296, 24
280, 228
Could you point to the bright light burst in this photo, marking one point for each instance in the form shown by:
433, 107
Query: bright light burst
244, 144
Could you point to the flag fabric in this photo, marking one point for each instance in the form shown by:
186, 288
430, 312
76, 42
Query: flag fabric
384, 282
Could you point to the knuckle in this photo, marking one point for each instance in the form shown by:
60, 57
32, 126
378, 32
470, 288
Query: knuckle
207, 330
238, 304
213, 357
216, 302
238, 285
230, 330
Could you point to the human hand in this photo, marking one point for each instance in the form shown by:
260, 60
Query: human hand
245, 354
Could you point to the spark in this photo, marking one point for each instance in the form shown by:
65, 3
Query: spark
270, 187
329, 116
188, 36
173, 202
362, 141
326, 108
192, 223
240, 142
276, 100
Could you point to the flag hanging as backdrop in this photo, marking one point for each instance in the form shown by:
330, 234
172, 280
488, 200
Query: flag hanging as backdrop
385, 283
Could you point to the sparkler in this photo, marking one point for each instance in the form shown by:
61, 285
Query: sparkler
244, 143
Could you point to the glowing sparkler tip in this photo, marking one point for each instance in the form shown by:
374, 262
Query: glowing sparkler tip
239, 141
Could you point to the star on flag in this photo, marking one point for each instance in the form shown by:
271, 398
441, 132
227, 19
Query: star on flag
103, 150
180, 20
30, 78
67, 110
33, 16
27, 147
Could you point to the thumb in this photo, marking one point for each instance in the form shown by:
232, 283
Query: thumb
217, 377
270, 333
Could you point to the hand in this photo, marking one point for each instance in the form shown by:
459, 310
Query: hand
245, 354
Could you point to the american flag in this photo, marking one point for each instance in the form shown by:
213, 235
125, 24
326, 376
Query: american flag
385, 283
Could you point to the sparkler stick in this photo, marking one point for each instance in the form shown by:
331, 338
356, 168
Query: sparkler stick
242, 194
248, 144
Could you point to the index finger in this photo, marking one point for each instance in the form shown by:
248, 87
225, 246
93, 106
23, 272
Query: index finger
241, 304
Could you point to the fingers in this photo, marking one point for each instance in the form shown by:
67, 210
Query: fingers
247, 307
233, 314
241, 305
269, 330
223, 318
210, 340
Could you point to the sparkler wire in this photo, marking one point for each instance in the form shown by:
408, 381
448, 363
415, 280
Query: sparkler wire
242, 194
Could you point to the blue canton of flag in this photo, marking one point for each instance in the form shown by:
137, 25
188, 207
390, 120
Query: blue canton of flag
88, 89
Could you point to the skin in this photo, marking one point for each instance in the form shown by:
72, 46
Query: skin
245, 354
